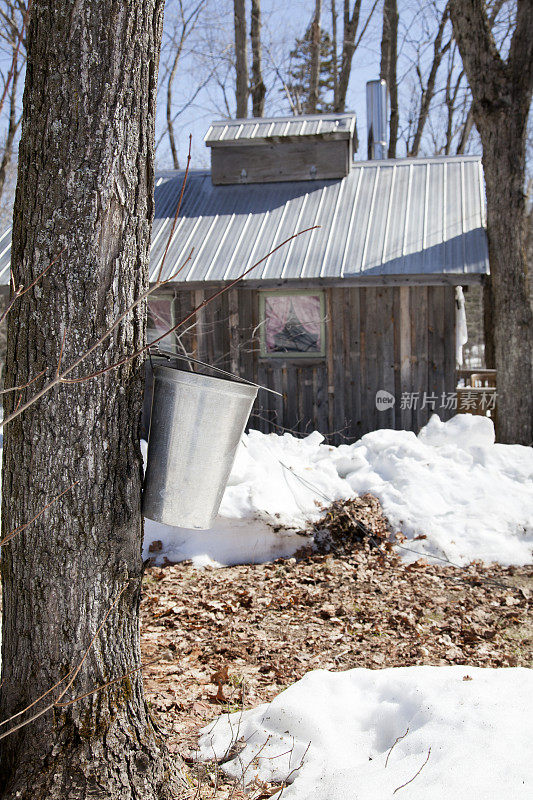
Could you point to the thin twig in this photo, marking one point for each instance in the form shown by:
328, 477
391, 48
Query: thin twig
21, 528
23, 385
43, 272
105, 685
300, 765
61, 378
34, 703
60, 359
15, 58
183, 184
20, 290
414, 776
73, 673
184, 320
16, 294
399, 739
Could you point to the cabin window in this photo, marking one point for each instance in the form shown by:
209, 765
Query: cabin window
159, 318
292, 324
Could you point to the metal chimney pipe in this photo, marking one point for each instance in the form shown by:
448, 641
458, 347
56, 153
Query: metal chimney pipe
377, 107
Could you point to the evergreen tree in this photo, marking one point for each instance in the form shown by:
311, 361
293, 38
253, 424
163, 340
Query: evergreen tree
299, 75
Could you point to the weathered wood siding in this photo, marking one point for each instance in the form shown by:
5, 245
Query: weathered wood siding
400, 339
290, 161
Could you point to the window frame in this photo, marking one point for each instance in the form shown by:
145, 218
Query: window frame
264, 353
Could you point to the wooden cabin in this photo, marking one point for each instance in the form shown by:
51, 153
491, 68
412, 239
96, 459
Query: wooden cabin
353, 322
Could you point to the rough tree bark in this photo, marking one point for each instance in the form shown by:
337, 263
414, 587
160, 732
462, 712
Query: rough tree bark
241, 59
502, 91
389, 62
85, 189
258, 89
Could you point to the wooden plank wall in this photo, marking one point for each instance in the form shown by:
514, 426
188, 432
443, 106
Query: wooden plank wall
400, 339
288, 161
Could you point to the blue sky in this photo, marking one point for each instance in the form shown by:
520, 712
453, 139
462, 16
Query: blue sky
283, 22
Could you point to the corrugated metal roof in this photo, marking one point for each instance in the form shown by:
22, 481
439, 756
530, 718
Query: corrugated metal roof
403, 217
275, 129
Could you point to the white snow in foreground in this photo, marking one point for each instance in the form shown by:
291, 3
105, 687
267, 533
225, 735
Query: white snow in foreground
330, 733
472, 498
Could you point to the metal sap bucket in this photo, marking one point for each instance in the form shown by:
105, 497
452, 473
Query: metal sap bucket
196, 425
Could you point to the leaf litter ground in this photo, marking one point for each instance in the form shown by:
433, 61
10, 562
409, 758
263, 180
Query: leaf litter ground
231, 638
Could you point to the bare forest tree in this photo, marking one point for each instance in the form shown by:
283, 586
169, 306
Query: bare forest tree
242, 88
389, 66
502, 90
258, 89
314, 61
182, 27
72, 578
440, 117
428, 87
13, 19
455, 101
349, 46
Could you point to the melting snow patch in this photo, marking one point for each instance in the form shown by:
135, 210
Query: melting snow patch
471, 498
362, 734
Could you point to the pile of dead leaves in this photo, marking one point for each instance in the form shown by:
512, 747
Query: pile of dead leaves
349, 523
234, 637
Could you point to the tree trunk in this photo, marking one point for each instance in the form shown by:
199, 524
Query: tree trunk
12, 128
85, 191
465, 132
241, 59
314, 68
334, 60
348, 49
389, 61
511, 311
428, 93
258, 86
170, 124
488, 323
501, 93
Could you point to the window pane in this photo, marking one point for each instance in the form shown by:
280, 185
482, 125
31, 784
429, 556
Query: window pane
159, 318
293, 323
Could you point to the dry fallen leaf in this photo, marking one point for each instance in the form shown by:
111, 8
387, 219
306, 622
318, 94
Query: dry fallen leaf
264, 624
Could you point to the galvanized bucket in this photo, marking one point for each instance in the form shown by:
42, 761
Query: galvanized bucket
196, 425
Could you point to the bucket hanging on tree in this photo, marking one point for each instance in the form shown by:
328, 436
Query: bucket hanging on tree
196, 425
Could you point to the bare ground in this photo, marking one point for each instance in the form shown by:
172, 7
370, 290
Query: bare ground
234, 637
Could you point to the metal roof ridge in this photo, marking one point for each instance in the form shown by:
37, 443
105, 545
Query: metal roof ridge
453, 159
174, 173
295, 117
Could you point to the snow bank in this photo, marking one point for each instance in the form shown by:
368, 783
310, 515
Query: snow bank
470, 497
330, 734
473, 499
230, 541
277, 486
